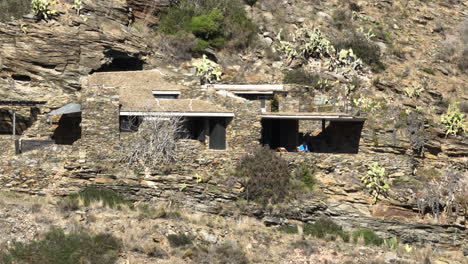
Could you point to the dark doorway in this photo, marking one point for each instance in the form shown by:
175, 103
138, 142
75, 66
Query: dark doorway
337, 137
218, 133
68, 130
6, 123
280, 133
195, 129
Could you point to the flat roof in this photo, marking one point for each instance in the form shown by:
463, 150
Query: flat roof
21, 102
246, 87
312, 116
133, 82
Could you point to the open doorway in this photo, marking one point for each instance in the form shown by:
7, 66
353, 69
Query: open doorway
335, 136
68, 130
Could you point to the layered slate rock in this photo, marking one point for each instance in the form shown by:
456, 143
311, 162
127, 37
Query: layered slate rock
46, 59
146, 12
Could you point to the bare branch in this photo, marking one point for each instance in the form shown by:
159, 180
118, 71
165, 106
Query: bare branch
155, 141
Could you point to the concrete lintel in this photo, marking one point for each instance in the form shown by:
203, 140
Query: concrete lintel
245, 87
167, 92
181, 114
315, 117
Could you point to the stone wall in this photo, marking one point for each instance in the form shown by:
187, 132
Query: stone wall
100, 135
7, 145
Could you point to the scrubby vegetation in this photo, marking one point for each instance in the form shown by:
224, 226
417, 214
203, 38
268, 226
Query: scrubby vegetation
326, 228
89, 195
13, 9
369, 237
375, 180
208, 70
264, 175
60, 248
363, 48
215, 24
43, 8
304, 176
179, 240
454, 121
445, 194
227, 252
300, 76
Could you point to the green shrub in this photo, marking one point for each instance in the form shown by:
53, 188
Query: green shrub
454, 121
60, 248
207, 26
325, 227
300, 76
264, 175
370, 238
179, 240
213, 21
208, 29
375, 180
42, 8
364, 49
108, 197
175, 19
14, 9
305, 176
288, 229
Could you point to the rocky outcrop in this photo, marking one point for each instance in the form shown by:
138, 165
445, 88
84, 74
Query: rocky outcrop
44, 60
147, 12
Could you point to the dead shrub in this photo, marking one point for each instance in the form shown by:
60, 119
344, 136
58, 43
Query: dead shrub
68, 204
179, 47
445, 194
264, 175
225, 253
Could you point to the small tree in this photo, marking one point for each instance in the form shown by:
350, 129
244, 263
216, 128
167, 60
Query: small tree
264, 175
155, 141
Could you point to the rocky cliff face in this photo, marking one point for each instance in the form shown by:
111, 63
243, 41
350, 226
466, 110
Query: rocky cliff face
44, 60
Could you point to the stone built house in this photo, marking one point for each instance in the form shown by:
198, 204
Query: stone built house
216, 117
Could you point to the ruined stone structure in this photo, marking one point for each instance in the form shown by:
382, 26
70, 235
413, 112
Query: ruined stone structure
202, 180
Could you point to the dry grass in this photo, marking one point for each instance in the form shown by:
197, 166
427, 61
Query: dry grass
144, 236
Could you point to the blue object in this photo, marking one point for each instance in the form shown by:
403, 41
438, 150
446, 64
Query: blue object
303, 148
